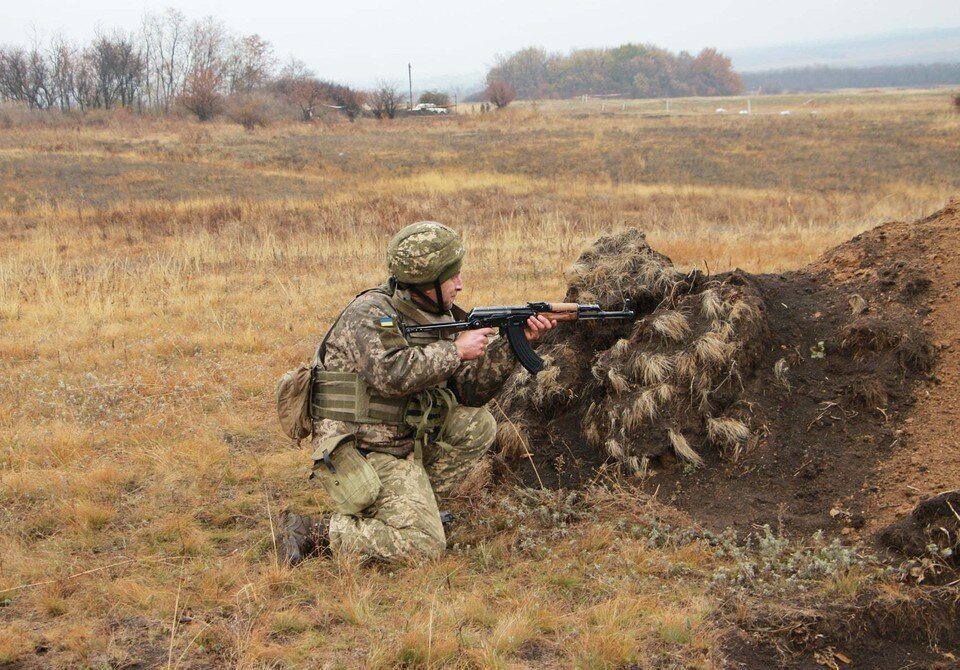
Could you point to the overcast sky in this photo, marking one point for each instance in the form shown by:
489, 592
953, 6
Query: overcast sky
361, 42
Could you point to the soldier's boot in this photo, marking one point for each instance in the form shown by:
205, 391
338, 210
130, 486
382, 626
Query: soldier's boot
303, 536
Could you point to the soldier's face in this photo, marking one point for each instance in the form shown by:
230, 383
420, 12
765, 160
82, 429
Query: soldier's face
449, 290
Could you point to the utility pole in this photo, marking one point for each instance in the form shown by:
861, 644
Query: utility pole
410, 77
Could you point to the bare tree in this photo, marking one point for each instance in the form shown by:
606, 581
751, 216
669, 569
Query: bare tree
165, 53
251, 109
206, 68
14, 74
386, 100
15, 82
64, 63
348, 100
42, 95
250, 64
437, 98
118, 70
298, 85
201, 95
500, 93
527, 70
207, 47
26, 76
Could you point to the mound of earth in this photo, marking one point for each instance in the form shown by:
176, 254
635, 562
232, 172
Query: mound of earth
824, 398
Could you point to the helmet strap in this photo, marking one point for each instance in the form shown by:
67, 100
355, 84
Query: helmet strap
433, 305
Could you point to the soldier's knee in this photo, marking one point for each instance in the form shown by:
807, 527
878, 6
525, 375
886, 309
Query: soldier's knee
473, 428
433, 547
486, 428
426, 541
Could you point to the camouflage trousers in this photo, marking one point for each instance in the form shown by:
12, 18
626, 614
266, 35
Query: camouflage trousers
405, 519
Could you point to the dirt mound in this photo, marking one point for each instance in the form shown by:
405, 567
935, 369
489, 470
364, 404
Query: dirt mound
930, 535
877, 630
793, 400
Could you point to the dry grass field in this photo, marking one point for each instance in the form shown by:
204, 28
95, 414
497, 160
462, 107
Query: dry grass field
158, 276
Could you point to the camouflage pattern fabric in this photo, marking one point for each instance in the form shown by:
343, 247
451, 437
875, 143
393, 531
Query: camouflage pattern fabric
367, 340
394, 367
424, 252
470, 431
405, 519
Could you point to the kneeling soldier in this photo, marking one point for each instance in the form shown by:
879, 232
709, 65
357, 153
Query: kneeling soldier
400, 418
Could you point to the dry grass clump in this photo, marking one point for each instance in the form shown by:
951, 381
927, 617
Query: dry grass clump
617, 267
869, 392
672, 326
712, 305
683, 449
869, 335
781, 369
553, 388
731, 435
727, 431
858, 305
512, 440
713, 350
16, 641
651, 368
916, 352
617, 383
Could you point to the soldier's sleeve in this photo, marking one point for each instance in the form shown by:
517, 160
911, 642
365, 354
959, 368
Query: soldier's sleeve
477, 381
370, 328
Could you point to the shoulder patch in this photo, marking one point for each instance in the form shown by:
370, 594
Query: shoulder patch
386, 322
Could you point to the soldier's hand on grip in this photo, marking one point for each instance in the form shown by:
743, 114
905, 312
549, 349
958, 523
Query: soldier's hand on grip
537, 326
472, 344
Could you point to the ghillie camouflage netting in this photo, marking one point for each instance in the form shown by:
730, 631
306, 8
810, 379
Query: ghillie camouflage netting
670, 382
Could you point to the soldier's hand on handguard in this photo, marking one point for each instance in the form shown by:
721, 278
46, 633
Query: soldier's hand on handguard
472, 344
536, 326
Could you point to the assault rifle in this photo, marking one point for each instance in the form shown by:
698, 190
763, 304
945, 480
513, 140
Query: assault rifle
511, 320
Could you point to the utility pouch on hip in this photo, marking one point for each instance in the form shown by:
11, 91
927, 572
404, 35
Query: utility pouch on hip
345, 474
293, 402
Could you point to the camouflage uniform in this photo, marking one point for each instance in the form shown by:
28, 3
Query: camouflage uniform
405, 519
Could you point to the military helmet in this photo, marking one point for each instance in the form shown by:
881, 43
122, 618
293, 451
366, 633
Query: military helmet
425, 252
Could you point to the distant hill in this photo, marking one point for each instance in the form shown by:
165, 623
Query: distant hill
823, 78
940, 45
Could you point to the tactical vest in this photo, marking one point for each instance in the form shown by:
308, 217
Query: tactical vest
345, 396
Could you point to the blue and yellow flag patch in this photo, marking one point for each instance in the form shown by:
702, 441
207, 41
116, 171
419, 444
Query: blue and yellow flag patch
386, 322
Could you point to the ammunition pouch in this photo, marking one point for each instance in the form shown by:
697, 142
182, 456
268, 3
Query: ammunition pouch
345, 396
345, 474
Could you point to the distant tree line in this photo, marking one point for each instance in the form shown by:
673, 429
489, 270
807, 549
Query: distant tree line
630, 70
168, 63
823, 78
